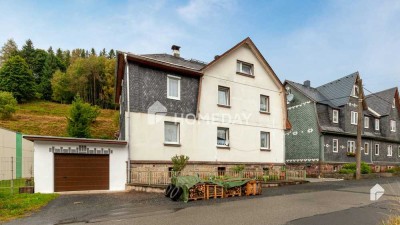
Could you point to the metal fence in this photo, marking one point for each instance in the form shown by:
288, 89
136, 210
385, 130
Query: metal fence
15, 173
164, 177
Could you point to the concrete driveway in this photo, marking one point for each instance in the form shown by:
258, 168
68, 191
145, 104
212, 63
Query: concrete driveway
340, 202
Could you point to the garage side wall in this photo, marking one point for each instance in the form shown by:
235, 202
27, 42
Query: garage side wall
44, 162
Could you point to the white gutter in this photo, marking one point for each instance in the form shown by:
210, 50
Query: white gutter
128, 136
374, 112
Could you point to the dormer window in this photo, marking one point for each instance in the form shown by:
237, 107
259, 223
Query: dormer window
366, 122
394, 103
377, 124
355, 91
392, 126
244, 68
335, 116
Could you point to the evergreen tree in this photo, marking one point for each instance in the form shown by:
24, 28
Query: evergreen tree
50, 50
8, 50
81, 115
17, 78
103, 52
92, 52
67, 58
83, 53
111, 54
28, 53
38, 64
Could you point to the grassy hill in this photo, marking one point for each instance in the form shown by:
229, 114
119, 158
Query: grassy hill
49, 118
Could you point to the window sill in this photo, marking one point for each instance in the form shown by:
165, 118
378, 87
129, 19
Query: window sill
265, 112
245, 74
177, 99
172, 144
265, 149
223, 147
224, 106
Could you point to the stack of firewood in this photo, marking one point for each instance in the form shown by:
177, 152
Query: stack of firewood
197, 192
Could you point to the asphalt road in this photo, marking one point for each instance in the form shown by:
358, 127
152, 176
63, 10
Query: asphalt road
328, 203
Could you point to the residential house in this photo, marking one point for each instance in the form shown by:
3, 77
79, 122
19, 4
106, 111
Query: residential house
324, 126
227, 112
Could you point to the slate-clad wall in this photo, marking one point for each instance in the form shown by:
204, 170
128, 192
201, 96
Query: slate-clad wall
383, 157
346, 119
302, 141
123, 107
150, 85
385, 124
341, 155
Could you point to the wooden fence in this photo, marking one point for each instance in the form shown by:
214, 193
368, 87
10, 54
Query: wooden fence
164, 177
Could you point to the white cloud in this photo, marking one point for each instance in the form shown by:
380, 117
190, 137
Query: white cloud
198, 10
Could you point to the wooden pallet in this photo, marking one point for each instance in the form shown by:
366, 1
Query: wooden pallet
232, 192
197, 192
214, 191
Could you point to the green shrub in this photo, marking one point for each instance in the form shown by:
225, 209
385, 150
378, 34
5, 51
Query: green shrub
179, 162
81, 116
238, 168
8, 105
346, 171
365, 168
392, 170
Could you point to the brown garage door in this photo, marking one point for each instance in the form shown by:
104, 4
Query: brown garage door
81, 172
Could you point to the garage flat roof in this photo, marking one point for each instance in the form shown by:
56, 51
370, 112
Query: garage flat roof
34, 138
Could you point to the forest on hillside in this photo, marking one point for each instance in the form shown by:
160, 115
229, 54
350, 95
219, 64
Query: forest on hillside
59, 75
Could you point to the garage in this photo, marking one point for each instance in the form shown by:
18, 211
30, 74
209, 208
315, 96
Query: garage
63, 164
74, 172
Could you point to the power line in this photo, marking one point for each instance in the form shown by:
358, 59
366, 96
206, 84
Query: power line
377, 96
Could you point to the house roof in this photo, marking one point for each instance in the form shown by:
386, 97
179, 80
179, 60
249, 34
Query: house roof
334, 94
34, 138
381, 102
189, 63
310, 92
338, 91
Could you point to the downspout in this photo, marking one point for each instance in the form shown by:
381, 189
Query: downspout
128, 136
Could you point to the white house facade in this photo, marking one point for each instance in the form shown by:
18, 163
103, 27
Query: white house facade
228, 112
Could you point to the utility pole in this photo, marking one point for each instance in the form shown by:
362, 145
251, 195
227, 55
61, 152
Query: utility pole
359, 128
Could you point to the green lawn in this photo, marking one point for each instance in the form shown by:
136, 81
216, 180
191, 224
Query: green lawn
49, 118
17, 205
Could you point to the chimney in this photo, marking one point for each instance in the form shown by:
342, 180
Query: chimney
307, 83
175, 50
216, 56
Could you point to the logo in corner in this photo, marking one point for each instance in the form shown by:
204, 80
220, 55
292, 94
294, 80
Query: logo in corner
155, 112
376, 192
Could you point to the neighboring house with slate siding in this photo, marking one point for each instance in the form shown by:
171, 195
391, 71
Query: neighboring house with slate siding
324, 126
16, 155
228, 112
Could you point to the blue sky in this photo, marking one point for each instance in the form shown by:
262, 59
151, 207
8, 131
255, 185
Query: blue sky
315, 40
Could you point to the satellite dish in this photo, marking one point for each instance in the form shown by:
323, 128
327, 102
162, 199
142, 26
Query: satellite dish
290, 97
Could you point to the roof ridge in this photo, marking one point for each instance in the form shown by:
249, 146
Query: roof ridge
332, 82
379, 92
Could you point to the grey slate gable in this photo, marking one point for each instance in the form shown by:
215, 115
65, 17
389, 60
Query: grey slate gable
381, 102
338, 92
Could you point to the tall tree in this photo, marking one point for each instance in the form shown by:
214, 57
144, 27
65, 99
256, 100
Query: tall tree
38, 64
61, 84
92, 52
103, 52
8, 50
67, 58
111, 54
50, 50
28, 53
17, 78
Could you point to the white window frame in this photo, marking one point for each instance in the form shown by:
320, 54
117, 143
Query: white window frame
351, 146
239, 67
266, 101
335, 116
268, 140
227, 137
376, 148
389, 150
366, 122
169, 77
227, 95
398, 151
177, 132
366, 148
377, 125
392, 125
394, 103
354, 118
335, 145
353, 91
